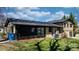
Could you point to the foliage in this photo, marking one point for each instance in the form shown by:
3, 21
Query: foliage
72, 18
26, 46
48, 44
64, 17
54, 45
65, 44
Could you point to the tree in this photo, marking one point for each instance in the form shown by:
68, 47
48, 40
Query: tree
64, 17
2, 16
72, 18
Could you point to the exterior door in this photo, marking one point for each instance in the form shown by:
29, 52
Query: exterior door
70, 33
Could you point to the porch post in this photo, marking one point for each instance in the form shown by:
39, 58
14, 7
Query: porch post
14, 29
47, 30
44, 31
5, 30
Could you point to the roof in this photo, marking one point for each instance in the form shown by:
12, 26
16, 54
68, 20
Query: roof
56, 21
29, 22
59, 21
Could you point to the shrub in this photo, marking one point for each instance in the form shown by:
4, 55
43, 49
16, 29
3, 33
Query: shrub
48, 44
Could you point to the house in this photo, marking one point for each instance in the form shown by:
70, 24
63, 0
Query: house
1, 29
30, 29
77, 32
67, 25
2, 22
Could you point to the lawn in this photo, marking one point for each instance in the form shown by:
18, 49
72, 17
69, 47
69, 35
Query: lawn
48, 44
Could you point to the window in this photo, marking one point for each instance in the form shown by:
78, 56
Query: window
70, 33
70, 25
64, 24
40, 31
33, 29
50, 29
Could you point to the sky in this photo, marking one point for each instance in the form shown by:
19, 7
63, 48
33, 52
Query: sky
40, 13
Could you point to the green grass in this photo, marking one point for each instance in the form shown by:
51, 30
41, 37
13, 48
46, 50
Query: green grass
48, 44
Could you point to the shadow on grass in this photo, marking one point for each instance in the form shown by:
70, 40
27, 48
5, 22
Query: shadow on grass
38, 45
67, 48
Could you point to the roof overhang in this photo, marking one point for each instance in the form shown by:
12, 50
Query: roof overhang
36, 24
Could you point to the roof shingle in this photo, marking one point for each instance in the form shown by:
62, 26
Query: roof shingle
30, 22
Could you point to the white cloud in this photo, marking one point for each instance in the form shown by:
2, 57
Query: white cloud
31, 8
38, 14
19, 15
61, 13
29, 14
57, 16
75, 17
13, 15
